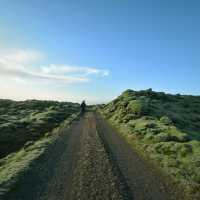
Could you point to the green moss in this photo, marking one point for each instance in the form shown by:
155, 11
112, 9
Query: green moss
162, 127
29, 120
165, 120
16, 164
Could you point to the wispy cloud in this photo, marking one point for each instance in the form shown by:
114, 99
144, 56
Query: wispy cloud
19, 65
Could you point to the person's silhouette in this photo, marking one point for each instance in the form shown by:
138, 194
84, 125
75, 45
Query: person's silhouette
83, 106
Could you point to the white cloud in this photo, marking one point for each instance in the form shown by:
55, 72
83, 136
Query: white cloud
19, 65
23, 77
19, 56
66, 69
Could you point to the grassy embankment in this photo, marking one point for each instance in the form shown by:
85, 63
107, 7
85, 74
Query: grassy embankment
164, 128
27, 129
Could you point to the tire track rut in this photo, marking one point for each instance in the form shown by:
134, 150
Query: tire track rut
95, 176
143, 182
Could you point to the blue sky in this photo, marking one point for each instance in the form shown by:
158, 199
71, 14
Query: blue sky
93, 50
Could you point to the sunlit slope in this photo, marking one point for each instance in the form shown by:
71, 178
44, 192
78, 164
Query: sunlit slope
164, 127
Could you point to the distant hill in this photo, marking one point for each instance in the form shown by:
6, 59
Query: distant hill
163, 127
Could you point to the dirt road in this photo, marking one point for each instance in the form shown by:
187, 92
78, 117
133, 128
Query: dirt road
92, 162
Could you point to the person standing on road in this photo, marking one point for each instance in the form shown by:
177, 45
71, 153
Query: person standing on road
83, 106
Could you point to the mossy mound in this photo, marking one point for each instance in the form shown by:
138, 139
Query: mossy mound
163, 127
24, 121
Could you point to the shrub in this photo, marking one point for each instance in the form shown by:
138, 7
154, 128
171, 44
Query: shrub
137, 107
165, 120
27, 144
150, 125
163, 137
